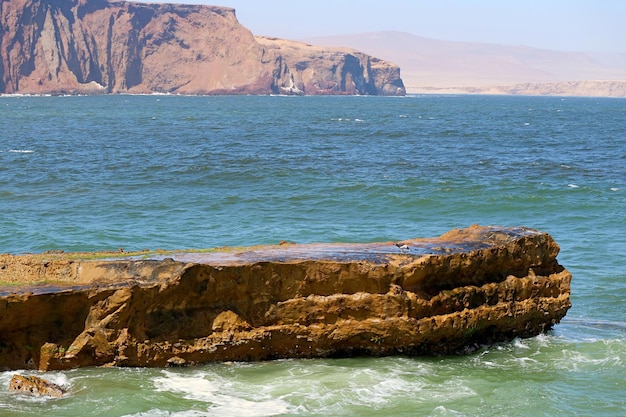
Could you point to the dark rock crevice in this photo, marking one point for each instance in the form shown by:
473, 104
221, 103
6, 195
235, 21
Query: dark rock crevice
109, 55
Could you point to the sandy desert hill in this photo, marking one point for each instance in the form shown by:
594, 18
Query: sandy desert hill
430, 65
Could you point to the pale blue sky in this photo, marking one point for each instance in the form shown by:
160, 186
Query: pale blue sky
571, 25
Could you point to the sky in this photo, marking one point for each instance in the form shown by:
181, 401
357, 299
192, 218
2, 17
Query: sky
565, 25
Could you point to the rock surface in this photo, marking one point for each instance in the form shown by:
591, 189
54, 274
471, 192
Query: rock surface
317, 71
444, 295
35, 385
101, 46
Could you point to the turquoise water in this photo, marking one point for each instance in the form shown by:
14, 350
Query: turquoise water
95, 173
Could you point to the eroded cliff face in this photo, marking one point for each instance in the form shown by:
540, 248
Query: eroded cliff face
100, 46
307, 69
445, 295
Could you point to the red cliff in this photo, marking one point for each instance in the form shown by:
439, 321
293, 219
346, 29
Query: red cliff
100, 46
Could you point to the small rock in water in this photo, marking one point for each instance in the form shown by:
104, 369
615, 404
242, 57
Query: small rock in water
35, 385
176, 362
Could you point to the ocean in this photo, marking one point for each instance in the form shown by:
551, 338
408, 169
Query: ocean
172, 172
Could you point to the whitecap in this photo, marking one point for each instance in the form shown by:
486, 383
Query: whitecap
21, 150
544, 340
525, 362
577, 360
383, 390
443, 411
218, 395
519, 343
162, 413
572, 185
614, 189
58, 378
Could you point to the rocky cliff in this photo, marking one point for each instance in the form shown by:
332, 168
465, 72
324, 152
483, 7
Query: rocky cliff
315, 70
101, 46
424, 296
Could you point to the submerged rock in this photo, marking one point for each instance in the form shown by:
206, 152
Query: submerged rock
451, 294
36, 386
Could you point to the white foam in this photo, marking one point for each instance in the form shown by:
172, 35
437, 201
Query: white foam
614, 189
543, 340
381, 387
163, 413
572, 185
519, 343
21, 151
443, 411
382, 391
58, 378
577, 360
218, 395
526, 362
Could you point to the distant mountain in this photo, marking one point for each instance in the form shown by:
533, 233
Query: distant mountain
430, 65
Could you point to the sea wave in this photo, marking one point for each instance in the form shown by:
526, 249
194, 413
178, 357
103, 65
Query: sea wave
219, 395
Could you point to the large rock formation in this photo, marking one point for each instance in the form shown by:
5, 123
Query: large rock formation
314, 70
436, 296
100, 46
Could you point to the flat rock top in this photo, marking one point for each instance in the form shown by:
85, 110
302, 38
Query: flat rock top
455, 241
58, 271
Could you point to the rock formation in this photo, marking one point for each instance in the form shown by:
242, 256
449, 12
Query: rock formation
450, 294
314, 70
35, 385
101, 46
